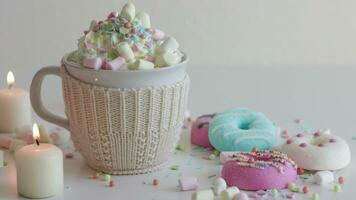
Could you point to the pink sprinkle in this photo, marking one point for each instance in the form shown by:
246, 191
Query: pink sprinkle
303, 145
251, 160
300, 135
289, 141
320, 145
69, 156
149, 45
111, 183
316, 134
332, 140
94, 175
155, 182
135, 48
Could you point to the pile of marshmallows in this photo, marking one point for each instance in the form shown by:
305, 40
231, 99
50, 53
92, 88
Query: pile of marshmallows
162, 51
219, 189
233, 193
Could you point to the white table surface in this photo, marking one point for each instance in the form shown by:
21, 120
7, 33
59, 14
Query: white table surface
322, 97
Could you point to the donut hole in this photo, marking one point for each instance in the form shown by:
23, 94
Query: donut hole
244, 125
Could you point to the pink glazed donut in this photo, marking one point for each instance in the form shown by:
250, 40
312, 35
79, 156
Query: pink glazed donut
259, 170
199, 131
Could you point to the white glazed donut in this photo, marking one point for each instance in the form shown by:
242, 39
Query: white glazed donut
318, 151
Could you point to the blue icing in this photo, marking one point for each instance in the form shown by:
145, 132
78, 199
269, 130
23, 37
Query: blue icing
241, 129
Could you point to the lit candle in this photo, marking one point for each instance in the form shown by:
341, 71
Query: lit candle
15, 107
39, 168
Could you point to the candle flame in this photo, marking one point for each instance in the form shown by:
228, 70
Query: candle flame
35, 132
10, 79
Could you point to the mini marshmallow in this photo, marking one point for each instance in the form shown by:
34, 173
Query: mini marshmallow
158, 34
219, 186
144, 18
16, 144
203, 195
241, 196
128, 11
229, 193
169, 44
93, 63
167, 59
323, 177
188, 183
25, 133
116, 63
5, 142
125, 51
142, 64
59, 136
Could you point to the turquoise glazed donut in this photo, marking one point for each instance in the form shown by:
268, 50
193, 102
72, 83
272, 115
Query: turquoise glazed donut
241, 129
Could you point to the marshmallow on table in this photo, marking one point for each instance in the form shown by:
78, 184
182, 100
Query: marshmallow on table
125, 51
169, 44
323, 177
167, 59
144, 18
128, 11
188, 183
158, 34
93, 63
229, 193
142, 64
219, 186
203, 195
241, 196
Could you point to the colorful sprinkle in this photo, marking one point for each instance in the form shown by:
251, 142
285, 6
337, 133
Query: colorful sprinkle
321, 145
300, 135
337, 188
181, 148
293, 187
155, 182
289, 141
305, 189
111, 183
332, 140
95, 175
290, 196
303, 145
212, 156
315, 196
174, 167
298, 121
300, 171
317, 134
341, 180
69, 156
274, 192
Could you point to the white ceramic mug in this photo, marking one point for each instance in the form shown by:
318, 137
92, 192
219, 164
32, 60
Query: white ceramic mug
104, 78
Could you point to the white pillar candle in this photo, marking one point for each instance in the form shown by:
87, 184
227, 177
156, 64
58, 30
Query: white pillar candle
15, 107
39, 169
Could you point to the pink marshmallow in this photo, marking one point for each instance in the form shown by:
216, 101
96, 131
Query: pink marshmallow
94, 63
158, 34
116, 63
5, 142
188, 183
27, 137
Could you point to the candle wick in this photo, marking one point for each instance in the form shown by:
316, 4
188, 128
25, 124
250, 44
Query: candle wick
37, 142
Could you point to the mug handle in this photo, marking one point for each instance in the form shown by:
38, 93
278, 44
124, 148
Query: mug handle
36, 97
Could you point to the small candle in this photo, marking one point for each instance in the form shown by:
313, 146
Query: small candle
39, 168
15, 107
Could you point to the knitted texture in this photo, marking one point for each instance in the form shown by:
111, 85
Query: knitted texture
124, 131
